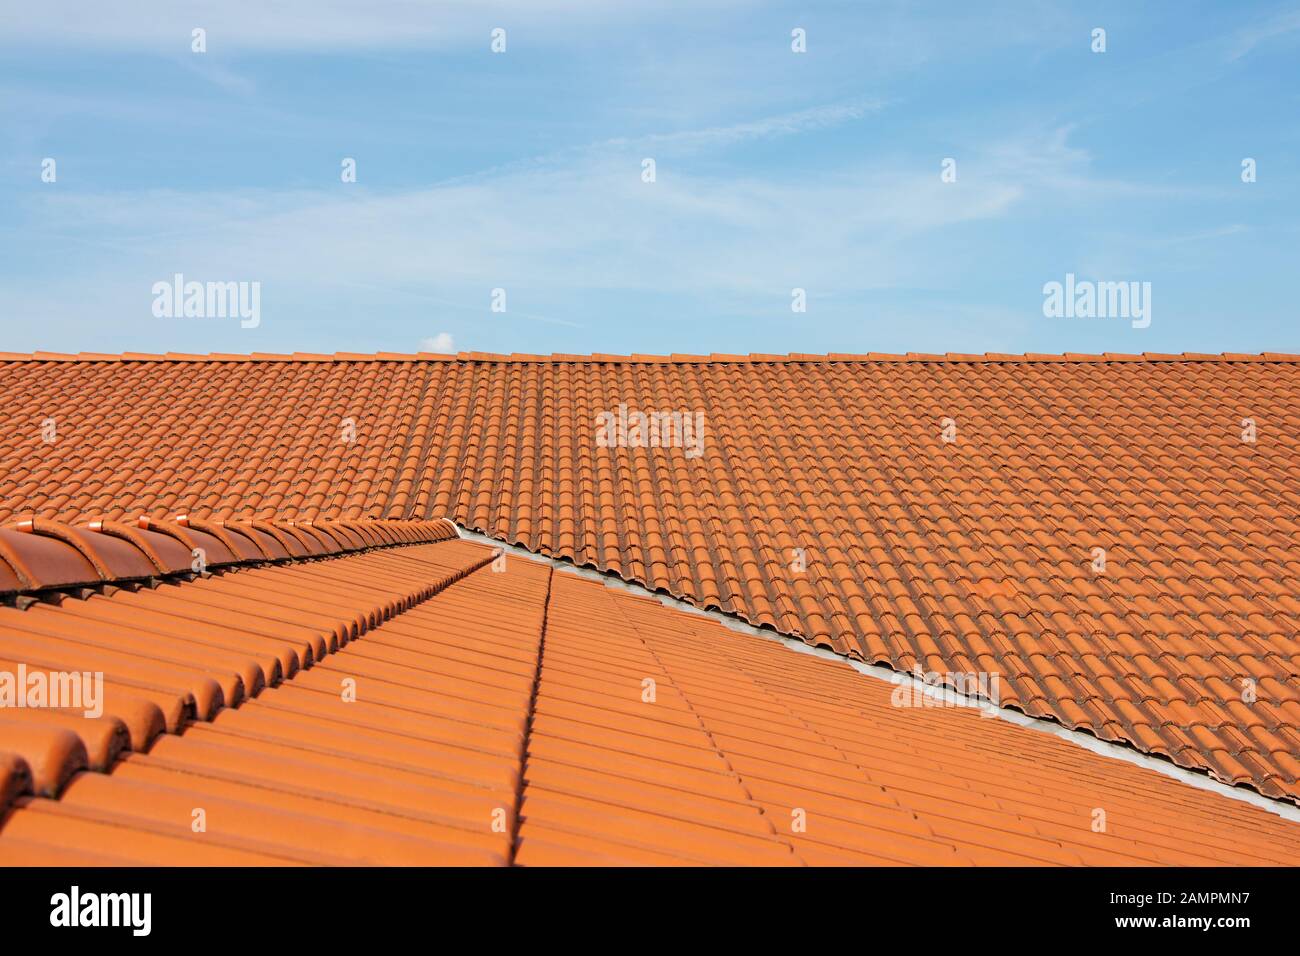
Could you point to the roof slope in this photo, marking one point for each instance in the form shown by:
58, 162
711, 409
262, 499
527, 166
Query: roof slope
970, 555
503, 714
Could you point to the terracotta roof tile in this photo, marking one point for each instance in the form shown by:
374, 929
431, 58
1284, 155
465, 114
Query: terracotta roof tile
467, 717
917, 550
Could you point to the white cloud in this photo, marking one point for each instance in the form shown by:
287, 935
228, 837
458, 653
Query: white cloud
591, 226
442, 342
558, 236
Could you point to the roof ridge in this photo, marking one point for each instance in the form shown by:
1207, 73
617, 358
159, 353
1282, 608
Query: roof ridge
754, 358
40, 555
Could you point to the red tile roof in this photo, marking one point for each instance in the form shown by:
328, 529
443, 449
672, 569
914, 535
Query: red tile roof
510, 717
970, 555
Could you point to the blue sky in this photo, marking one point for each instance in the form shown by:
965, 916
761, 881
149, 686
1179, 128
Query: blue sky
775, 170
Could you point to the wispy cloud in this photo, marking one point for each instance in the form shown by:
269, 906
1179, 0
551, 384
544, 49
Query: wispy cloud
684, 142
1204, 235
553, 234
1248, 38
774, 170
1050, 163
220, 76
787, 124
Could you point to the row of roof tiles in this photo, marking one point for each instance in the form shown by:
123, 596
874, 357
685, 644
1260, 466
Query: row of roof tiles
224, 738
40, 554
600, 358
533, 717
804, 753
955, 556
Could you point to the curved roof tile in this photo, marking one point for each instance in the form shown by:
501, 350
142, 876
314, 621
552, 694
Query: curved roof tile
914, 549
461, 713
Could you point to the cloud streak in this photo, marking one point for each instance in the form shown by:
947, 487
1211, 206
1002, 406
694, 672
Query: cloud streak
591, 226
550, 233
1250, 37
